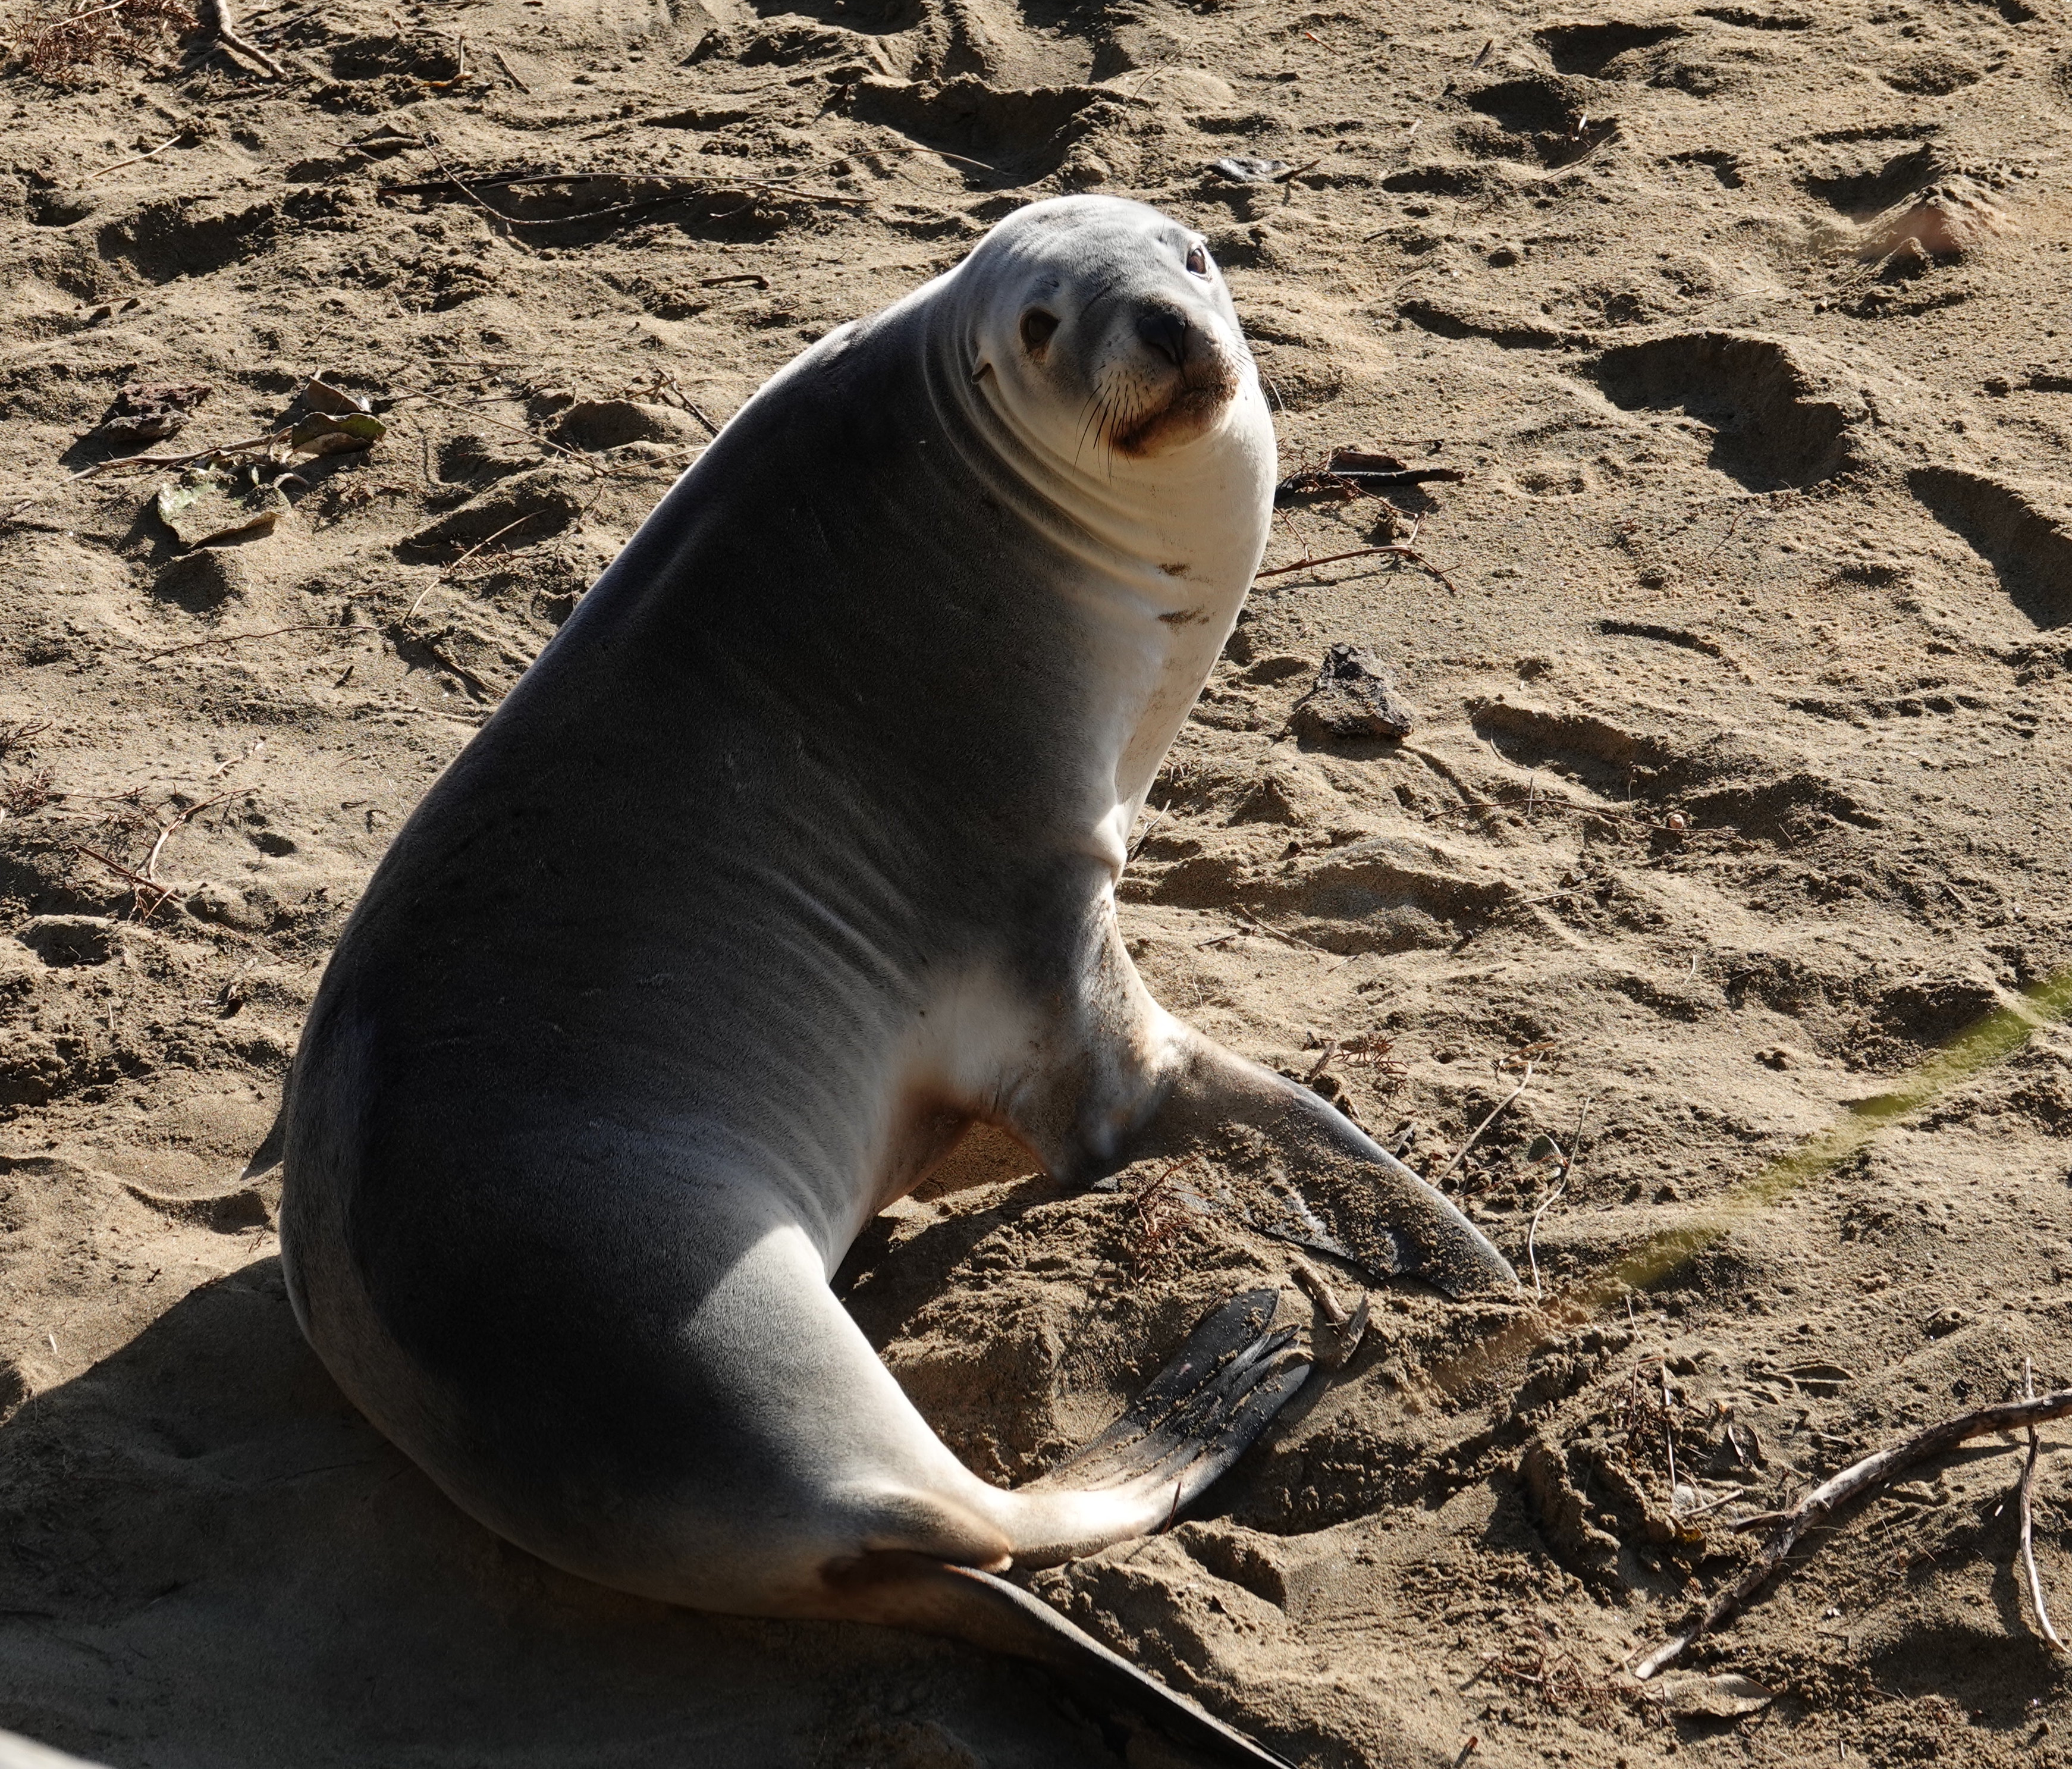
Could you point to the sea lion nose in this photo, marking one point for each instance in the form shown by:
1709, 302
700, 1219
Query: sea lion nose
1164, 331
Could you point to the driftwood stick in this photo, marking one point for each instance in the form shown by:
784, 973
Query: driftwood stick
2027, 1494
1832, 1494
220, 23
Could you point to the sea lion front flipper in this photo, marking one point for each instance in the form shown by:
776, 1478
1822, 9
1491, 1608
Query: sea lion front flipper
1344, 1195
911, 1591
1199, 1413
1197, 1416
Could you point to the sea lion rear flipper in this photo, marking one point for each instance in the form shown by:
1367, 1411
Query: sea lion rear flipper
1346, 1195
912, 1590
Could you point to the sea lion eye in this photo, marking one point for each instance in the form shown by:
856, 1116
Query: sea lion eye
1036, 326
1198, 261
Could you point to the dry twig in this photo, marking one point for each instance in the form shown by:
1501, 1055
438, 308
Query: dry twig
2027, 1492
220, 22
56, 41
1532, 1232
138, 160
17, 733
141, 907
246, 638
1347, 1329
1831, 1495
1461, 1153
1158, 1209
1566, 1167
28, 793
1401, 549
125, 461
448, 571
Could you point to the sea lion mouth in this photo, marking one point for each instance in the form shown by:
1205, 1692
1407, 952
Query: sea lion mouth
1195, 397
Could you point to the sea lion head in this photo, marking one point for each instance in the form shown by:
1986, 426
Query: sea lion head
1103, 331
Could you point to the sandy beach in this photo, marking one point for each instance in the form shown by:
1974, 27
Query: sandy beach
1719, 890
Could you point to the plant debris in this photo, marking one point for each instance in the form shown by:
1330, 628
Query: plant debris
61, 43
1352, 470
205, 507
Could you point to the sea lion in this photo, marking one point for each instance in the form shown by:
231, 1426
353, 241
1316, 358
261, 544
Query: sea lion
792, 857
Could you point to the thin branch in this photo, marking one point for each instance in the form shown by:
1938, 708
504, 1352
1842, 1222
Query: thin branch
1461, 1153
1347, 1329
2028, 1493
1831, 1495
138, 160
1532, 1232
1567, 1169
463, 560
158, 847
1401, 549
1669, 1429
1328, 558
218, 21
242, 637
122, 461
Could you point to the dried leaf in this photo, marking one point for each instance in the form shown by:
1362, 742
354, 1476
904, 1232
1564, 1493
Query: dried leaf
320, 396
322, 434
202, 510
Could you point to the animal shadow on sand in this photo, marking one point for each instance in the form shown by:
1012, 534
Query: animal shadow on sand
208, 1560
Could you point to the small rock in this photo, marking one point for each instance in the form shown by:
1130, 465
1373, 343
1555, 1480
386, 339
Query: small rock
1084, 170
1353, 697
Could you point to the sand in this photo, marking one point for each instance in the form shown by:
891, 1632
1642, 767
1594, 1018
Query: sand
1741, 663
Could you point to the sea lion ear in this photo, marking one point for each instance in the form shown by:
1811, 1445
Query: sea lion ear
984, 369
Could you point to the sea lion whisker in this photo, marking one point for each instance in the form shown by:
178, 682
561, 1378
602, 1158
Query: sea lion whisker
1093, 411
